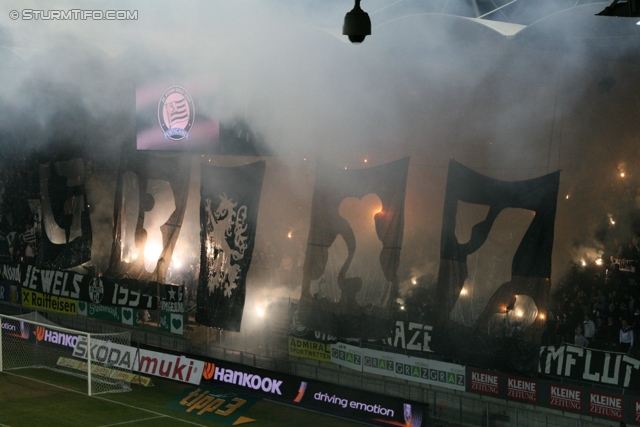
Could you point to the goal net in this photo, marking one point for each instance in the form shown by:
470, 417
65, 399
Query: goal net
32, 341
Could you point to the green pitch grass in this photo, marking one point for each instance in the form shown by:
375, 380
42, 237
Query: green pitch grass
39, 397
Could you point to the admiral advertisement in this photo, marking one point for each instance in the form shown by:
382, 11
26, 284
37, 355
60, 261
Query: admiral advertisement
334, 399
400, 366
595, 366
299, 347
410, 337
306, 343
56, 290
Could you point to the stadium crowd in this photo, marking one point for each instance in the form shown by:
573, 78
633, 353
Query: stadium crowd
597, 304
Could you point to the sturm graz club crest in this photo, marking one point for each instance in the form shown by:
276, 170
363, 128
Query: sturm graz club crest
96, 290
225, 245
176, 113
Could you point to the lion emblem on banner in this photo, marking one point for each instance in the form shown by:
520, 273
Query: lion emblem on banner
224, 224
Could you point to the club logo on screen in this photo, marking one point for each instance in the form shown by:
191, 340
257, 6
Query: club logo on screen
176, 113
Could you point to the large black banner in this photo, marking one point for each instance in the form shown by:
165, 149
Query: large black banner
516, 344
595, 366
150, 202
228, 215
354, 307
66, 226
97, 290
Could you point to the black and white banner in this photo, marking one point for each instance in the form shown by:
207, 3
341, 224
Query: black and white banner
11, 272
171, 298
584, 364
228, 215
66, 226
97, 290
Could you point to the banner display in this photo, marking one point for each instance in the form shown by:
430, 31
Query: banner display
150, 202
400, 366
361, 405
565, 398
484, 382
66, 227
171, 298
299, 347
11, 272
522, 389
124, 315
56, 338
328, 398
49, 302
97, 290
595, 366
412, 337
367, 282
228, 217
214, 403
347, 355
601, 404
424, 371
476, 340
10, 292
149, 362
550, 394
299, 330
105, 372
170, 322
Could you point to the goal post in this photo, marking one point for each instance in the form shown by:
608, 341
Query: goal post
33, 341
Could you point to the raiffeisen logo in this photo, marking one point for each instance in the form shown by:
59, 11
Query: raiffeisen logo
53, 337
176, 113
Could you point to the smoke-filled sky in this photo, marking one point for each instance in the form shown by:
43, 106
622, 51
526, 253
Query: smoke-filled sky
432, 86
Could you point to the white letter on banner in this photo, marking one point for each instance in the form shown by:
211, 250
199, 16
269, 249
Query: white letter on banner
557, 355
399, 334
605, 375
587, 368
570, 361
632, 364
